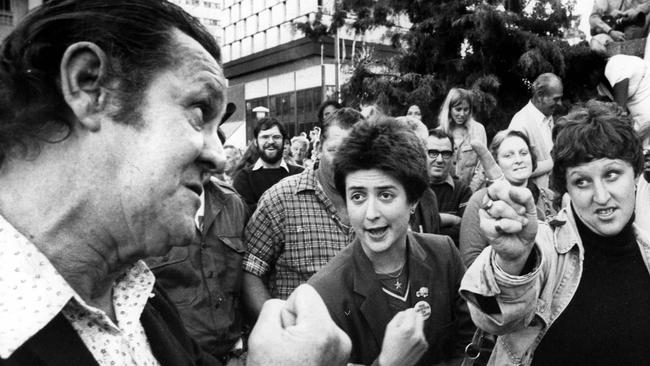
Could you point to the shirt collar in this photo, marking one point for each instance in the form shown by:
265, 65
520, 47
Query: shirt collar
131, 291
539, 116
449, 180
259, 164
32, 291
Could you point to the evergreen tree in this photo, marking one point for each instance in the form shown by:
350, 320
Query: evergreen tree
494, 48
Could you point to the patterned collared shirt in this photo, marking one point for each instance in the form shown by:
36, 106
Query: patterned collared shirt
32, 293
293, 233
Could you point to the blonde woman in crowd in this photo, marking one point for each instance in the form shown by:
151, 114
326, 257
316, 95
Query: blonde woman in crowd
456, 119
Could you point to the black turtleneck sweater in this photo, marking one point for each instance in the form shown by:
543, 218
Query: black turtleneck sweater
607, 321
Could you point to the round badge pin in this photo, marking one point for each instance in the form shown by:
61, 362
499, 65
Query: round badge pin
423, 308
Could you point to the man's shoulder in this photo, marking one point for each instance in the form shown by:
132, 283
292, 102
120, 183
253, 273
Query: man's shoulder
290, 185
339, 270
520, 119
226, 193
461, 187
440, 248
283, 194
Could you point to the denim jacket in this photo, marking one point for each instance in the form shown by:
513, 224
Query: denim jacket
529, 304
465, 161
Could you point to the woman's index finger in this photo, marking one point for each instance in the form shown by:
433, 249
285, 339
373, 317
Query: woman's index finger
492, 169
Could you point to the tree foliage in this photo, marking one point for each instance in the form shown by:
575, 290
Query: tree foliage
493, 47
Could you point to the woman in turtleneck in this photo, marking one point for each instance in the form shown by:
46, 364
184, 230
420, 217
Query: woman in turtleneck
575, 291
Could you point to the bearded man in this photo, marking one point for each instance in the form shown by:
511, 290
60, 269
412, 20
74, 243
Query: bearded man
270, 167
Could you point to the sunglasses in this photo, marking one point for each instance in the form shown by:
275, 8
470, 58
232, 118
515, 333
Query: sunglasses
446, 154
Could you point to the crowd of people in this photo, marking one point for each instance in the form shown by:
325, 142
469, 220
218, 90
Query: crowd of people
130, 234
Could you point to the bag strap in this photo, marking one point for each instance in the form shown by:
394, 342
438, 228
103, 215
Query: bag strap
473, 349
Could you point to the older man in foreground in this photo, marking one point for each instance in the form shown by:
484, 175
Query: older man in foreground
108, 119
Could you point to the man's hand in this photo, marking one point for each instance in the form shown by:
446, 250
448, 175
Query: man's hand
617, 36
508, 217
298, 331
404, 342
629, 14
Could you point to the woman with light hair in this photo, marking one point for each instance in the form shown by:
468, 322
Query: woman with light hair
298, 150
457, 120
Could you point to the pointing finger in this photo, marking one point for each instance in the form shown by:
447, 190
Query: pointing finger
492, 169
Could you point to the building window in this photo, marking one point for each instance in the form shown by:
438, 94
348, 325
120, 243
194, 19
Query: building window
307, 103
251, 104
211, 22
6, 17
283, 107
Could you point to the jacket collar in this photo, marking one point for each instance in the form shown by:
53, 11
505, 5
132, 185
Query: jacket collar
567, 236
215, 200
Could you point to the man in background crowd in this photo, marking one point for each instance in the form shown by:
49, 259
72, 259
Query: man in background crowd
535, 120
270, 167
299, 224
452, 194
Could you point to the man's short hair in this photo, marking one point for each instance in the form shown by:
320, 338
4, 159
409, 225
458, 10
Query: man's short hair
543, 82
387, 146
136, 36
440, 134
594, 131
325, 104
267, 123
344, 117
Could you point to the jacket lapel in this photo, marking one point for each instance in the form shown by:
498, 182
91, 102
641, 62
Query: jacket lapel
374, 306
58, 344
165, 348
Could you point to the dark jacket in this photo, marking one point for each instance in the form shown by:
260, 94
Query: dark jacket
58, 344
358, 305
426, 218
204, 279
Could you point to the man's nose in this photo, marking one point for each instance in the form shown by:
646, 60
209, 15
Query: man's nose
213, 157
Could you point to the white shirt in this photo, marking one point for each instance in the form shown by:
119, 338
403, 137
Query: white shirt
259, 164
635, 69
33, 292
537, 127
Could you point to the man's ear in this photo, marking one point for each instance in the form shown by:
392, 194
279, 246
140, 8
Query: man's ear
83, 70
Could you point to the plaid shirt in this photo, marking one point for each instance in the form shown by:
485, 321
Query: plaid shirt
293, 233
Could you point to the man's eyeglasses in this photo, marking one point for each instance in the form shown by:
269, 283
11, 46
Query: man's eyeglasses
446, 154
